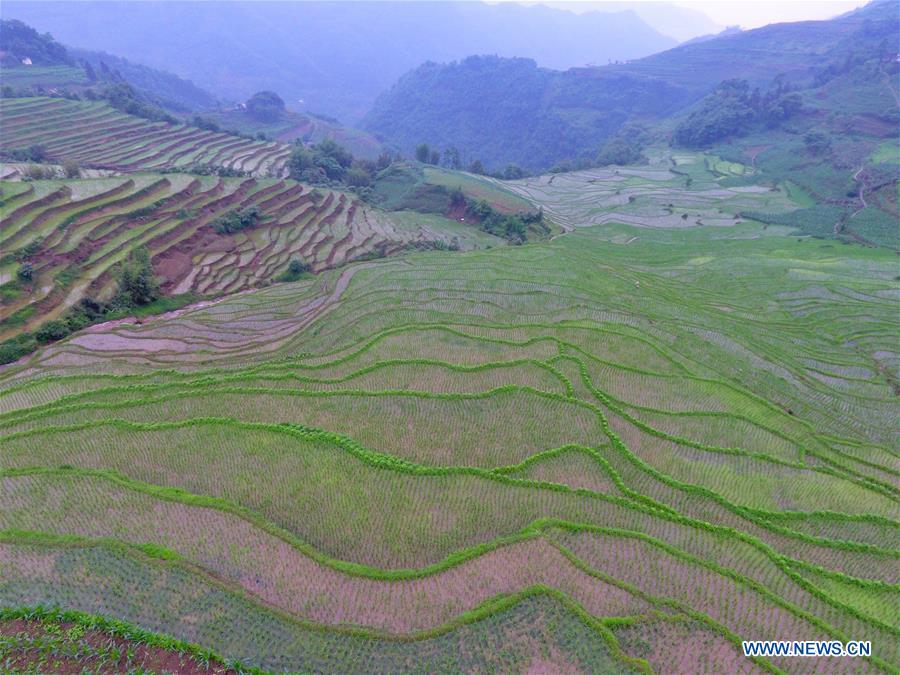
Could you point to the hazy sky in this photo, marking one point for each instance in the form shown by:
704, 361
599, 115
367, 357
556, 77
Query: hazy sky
755, 13
743, 13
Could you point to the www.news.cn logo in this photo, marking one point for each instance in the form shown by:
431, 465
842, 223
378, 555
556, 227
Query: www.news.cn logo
806, 648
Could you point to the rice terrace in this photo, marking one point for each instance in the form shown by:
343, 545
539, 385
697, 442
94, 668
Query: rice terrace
389, 399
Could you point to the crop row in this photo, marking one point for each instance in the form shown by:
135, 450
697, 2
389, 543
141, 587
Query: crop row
97, 136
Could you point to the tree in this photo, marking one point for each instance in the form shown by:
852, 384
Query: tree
476, 167
89, 71
358, 177
235, 221
816, 142
327, 160
51, 331
266, 106
71, 169
513, 172
451, 158
25, 271
385, 159
205, 123
434, 157
297, 267
137, 285
422, 152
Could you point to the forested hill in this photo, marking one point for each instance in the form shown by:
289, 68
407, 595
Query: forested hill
34, 62
335, 56
510, 111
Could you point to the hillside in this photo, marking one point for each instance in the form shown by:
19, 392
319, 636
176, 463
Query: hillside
68, 130
76, 71
268, 405
575, 457
291, 126
510, 111
336, 58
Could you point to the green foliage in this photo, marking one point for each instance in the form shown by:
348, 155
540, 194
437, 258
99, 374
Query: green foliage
525, 115
136, 283
320, 163
732, 109
297, 269
33, 153
513, 228
624, 148
124, 97
235, 221
15, 348
19, 41
266, 106
52, 330
25, 271
205, 123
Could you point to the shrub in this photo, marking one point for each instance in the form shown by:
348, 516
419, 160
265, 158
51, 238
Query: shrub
266, 106
235, 221
71, 169
51, 331
137, 285
25, 271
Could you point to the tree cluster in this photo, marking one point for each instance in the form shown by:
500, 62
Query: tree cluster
235, 221
733, 109
19, 41
625, 147
265, 106
450, 159
513, 228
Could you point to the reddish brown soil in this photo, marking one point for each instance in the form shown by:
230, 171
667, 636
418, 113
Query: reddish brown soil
153, 659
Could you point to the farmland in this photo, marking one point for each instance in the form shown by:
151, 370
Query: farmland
68, 130
269, 406
522, 457
75, 233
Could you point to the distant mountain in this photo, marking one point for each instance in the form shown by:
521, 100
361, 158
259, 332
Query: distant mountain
164, 88
511, 111
680, 23
335, 57
30, 59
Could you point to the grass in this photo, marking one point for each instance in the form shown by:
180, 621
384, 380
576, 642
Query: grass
625, 448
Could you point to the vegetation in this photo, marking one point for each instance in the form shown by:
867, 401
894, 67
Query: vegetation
641, 451
732, 109
20, 41
266, 106
665, 425
63, 127
235, 221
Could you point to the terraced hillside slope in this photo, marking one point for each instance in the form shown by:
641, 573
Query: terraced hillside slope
73, 235
676, 189
97, 136
625, 449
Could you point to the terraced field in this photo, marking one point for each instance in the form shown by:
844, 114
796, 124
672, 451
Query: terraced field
577, 455
100, 137
74, 233
672, 191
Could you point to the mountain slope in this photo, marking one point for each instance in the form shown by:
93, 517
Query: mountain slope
31, 59
336, 57
502, 111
